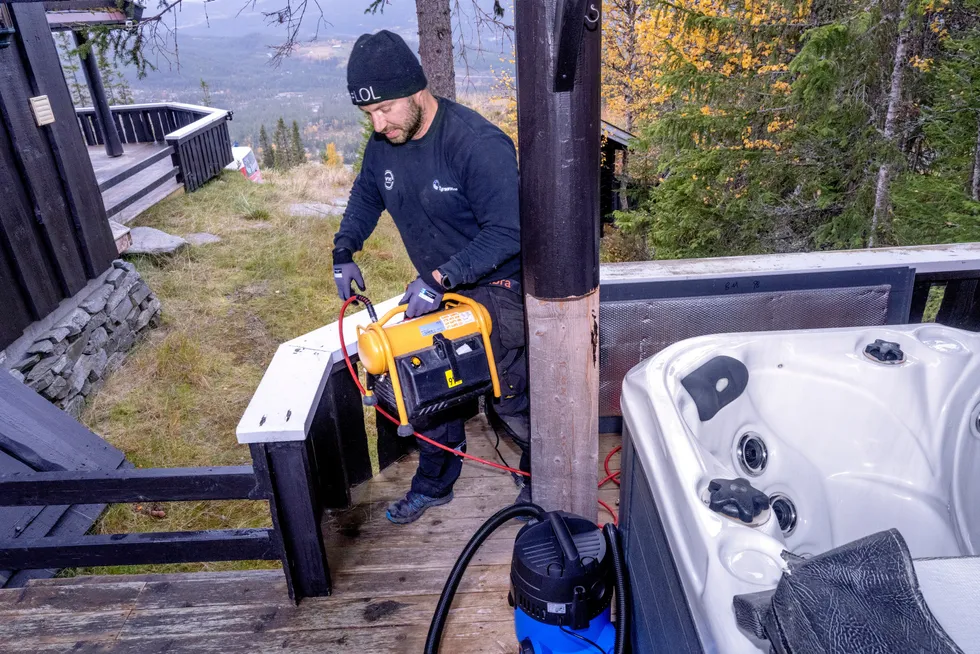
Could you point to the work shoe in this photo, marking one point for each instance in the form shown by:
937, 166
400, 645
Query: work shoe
411, 507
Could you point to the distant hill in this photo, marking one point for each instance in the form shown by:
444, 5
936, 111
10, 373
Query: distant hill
232, 55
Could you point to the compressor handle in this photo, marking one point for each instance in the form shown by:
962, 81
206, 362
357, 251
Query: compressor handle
564, 536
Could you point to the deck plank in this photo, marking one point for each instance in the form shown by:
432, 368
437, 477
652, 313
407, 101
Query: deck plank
58, 627
107, 167
479, 638
114, 595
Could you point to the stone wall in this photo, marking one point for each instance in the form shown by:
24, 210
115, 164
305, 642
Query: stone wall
71, 360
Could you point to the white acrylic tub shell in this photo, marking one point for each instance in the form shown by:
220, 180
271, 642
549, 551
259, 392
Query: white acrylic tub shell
858, 446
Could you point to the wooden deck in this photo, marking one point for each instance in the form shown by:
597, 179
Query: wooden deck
386, 578
135, 181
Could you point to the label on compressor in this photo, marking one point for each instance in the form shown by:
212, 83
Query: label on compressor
447, 322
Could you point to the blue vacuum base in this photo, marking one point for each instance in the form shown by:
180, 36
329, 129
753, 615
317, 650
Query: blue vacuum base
549, 639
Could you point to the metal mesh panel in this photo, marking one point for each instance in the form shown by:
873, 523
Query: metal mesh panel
631, 331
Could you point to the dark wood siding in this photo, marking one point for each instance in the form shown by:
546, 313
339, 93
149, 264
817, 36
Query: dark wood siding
54, 235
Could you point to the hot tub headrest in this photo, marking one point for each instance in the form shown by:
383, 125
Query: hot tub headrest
859, 598
716, 384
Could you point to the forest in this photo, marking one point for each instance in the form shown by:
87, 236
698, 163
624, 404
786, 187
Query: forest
768, 126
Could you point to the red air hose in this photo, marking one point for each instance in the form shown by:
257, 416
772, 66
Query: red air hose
350, 366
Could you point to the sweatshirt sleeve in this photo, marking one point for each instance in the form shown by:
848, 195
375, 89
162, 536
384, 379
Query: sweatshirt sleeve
490, 182
364, 207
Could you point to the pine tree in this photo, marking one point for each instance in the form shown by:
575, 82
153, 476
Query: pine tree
296, 148
71, 66
267, 153
367, 132
205, 93
283, 154
936, 199
117, 89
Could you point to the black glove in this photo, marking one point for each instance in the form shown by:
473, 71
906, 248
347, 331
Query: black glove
421, 299
346, 271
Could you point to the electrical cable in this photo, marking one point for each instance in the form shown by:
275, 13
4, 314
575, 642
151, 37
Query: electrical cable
496, 446
568, 631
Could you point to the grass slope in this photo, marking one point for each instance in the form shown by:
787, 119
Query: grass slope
227, 306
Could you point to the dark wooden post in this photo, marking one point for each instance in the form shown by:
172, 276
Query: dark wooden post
113, 144
338, 440
283, 470
961, 305
558, 84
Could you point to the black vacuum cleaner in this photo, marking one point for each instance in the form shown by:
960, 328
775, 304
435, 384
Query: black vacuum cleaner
563, 573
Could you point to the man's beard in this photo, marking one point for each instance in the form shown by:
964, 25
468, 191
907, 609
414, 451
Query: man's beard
415, 119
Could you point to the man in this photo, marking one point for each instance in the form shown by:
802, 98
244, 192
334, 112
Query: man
448, 177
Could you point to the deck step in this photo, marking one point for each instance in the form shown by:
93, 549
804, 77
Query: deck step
138, 158
129, 198
121, 235
127, 215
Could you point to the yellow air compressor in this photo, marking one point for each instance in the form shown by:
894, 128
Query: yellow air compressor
428, 364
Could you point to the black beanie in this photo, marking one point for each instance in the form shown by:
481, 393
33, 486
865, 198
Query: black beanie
383, 67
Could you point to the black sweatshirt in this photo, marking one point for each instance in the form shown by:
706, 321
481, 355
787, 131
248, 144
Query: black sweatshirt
452, 194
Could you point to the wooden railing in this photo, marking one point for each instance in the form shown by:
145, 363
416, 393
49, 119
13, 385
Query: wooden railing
198, 135
280, 474
307, 394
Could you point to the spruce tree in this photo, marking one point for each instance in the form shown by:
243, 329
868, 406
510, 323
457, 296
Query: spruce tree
296, 147
283, 155
268, 154
205, 93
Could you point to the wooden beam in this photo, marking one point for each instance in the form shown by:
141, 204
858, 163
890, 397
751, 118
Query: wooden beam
284, 471
34, 156
339, 441
129, 485
113, 145
559, 136
30, 266
39, 434
138, 549
86, 212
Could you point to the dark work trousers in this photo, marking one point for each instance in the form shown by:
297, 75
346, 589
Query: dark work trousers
438, 470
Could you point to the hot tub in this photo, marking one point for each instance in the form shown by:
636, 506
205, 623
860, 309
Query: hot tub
844, 445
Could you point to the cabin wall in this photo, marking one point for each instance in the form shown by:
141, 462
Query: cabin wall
54, 234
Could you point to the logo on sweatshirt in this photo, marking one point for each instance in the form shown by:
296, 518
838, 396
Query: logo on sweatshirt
442, 189
389, 180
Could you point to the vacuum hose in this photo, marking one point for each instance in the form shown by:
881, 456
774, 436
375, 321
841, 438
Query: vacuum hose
622, 615
496, 521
